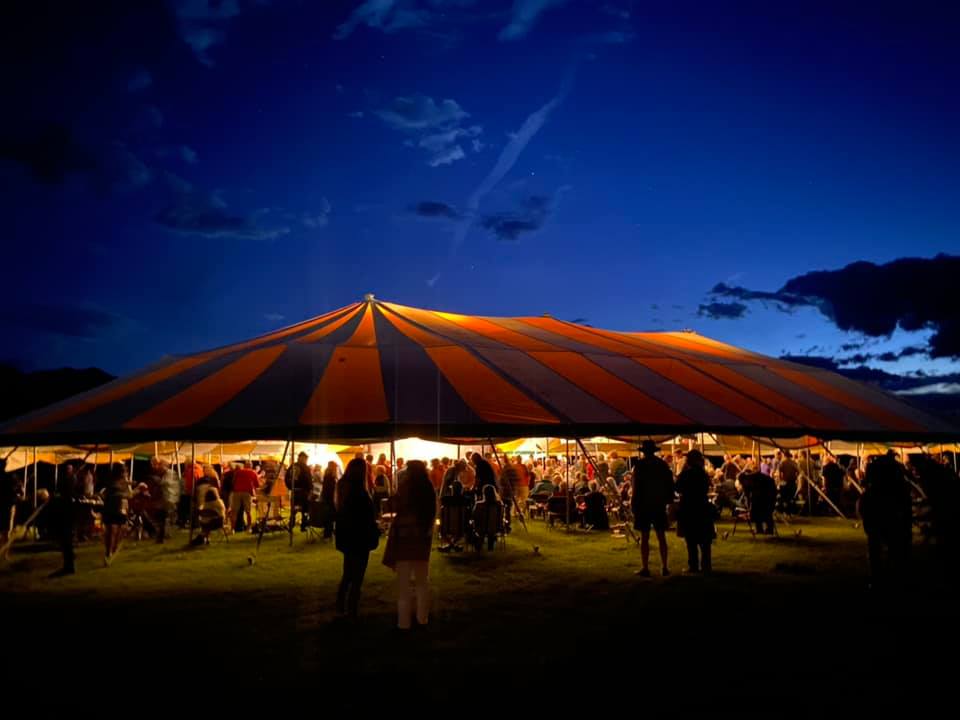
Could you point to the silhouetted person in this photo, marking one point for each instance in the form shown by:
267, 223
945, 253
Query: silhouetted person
486, 515
357, 534
789, 475
485, 474
652, 492
942, 488
328, 494
887, 512
695, 513
61, 519
595, 514
116, 506
10, 494
409, 542
833, 476
760, 491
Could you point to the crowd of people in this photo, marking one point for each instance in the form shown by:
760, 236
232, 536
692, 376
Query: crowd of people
477, 500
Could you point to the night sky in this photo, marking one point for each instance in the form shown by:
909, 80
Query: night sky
180, 175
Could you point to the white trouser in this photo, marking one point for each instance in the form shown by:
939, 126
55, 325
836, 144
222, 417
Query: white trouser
419, 571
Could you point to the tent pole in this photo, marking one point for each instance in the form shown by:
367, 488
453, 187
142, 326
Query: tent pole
393, 465
567, 490
193, 490
612, 488
34, 476
56, 473
293, 517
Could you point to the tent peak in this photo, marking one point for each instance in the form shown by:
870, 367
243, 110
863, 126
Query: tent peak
369, 297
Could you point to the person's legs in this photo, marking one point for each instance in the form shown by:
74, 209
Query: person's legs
345, 580
358, 562
162, 524
645, 548
235, 507
693, 561
705, 557
421, 573
404, 569
107, 544
662, 547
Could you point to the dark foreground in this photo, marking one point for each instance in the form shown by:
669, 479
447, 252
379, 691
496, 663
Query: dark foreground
784, 626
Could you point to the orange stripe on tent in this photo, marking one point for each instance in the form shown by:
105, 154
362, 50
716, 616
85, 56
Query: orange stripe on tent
489, 329
327, 329
789, 407
441, 326
679, 341
202, 398
350, 391
421, 337
573, 332
280, 334
607, 387
717, 393
488, 395
864, 407
365, 335
109, 395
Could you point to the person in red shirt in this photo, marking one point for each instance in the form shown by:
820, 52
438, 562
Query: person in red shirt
245, 484
191, 473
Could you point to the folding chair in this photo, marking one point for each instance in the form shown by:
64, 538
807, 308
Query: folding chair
490, 522
453, 527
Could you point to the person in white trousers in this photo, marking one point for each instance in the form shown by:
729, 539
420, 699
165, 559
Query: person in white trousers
409, 543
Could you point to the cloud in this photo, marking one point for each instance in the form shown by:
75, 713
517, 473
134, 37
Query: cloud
120, 169
201, 24
722, 310
205, 214
434, 209
318, 220
849, 347
49, 154
530, 217
355, 114
419, 112
507, 159
439, 121
940, 388
524, 15
66, 319
887, 357
140, 80
875, 299
390, 16
188, 155
273, 317
477, 145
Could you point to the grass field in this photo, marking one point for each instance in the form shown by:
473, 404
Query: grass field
794, 610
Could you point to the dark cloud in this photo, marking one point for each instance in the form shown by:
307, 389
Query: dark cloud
202, 23
850, 347
909, 293
64, 319
800, 336
888, 357
205, 214
722, 310
49, 154
435, 209
530, 217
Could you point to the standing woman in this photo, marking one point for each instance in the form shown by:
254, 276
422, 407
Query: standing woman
357, 534
116, 500
408, 545
695, 514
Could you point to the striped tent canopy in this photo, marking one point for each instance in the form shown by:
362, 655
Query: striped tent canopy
377, 370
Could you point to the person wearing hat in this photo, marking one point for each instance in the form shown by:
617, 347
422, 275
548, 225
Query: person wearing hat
652, 492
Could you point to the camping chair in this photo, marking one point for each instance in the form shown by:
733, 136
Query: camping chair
453, 526
489, 522
742, 513
537, 505
557, 510
211, 521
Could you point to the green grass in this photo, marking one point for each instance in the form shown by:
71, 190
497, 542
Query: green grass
575, 603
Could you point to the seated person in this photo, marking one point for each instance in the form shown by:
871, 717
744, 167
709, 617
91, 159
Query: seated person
453, 516
595, 513
543, 488
487, 518
557, 506
212, 514
727, 494
381, 487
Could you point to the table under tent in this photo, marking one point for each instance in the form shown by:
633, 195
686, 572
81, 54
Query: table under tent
373, 373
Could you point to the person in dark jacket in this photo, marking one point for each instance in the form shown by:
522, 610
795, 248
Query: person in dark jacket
760, 491
357, 534
695, 513
652, 492
61, 520
328, 494
886, 507
485, 474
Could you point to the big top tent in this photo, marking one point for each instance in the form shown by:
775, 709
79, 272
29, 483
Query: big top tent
376, 370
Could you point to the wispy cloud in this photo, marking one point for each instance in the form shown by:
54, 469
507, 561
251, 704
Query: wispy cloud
140, 80
205, 214
201, 24
439, 121
355, 114
435, 209
612, 37
524, 15
390, 16
319, 219
188, 155
273, 317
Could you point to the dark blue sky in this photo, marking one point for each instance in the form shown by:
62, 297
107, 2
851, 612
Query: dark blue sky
180, 175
